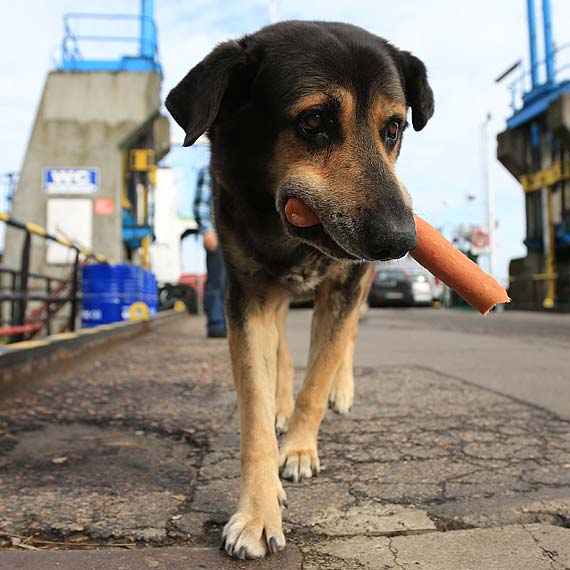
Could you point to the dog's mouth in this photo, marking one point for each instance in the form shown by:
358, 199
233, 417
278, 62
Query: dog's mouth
303, 222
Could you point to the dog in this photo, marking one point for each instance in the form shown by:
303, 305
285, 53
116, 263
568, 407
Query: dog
313, 111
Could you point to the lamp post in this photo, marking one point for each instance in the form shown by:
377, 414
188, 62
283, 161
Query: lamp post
490, 195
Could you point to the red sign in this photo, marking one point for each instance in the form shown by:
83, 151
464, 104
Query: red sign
104, 206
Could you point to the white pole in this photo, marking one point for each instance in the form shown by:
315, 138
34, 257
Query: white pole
272, 11
490, 195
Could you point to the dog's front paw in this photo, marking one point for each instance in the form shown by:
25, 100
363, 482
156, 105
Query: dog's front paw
341, 397
256, 531
298, 462
284, 408
283, 412
281, 423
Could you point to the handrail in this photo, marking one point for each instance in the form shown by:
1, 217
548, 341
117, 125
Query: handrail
70, 51
97, 16
39, 231
517, 86
24, 326
527, 72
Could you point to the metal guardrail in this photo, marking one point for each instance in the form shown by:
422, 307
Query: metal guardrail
71, 52
522, 84
19, 291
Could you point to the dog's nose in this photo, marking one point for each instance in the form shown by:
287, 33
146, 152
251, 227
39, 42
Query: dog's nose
385, 242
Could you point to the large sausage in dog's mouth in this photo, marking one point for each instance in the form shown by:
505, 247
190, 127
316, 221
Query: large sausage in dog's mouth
299, 214
436, 254
456, 270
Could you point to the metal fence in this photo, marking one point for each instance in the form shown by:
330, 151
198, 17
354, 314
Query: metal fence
108, 35
522, 84
19, 288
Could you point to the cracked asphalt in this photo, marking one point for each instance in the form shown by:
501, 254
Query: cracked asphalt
435, 468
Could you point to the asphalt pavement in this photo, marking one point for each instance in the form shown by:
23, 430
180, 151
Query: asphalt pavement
520, 354
456, 454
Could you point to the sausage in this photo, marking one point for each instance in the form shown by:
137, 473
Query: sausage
456, 270
299, 214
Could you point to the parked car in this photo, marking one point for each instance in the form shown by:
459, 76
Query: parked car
168, 294
422, 289
189, 289
399, 287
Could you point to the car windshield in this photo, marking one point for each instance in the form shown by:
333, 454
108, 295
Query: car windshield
391, 276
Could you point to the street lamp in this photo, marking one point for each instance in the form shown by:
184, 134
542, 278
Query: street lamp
489, 193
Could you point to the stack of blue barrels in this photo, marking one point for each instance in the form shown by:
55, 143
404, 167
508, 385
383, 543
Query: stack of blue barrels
150, 288
108, 291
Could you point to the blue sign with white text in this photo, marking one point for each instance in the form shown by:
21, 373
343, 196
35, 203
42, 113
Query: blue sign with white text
71, 180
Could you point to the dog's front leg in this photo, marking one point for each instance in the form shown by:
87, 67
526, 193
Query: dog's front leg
332, 331
255, 529
342, 390
284, 401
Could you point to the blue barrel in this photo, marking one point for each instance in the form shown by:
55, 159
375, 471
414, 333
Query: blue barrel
150, 292
100, 297
129, 285
145, 286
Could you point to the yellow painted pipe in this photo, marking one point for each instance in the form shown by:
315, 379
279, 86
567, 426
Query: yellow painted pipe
550, 260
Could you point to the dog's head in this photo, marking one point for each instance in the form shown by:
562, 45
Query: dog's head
314, 111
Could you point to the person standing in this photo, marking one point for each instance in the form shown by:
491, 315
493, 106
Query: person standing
216, 281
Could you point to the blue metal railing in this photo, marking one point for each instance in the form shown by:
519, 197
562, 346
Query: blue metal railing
145, 58
523, 84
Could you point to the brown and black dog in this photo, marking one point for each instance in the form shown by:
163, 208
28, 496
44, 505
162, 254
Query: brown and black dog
314, 111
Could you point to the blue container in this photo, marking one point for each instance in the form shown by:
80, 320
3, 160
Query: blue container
100, 297
109, 291
145, 286
150, 292
153, 295
129, 287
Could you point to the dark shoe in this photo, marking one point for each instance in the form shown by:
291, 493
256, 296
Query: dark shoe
217, 333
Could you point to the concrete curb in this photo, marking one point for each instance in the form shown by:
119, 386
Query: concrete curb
23, 358
518, 547
152, 558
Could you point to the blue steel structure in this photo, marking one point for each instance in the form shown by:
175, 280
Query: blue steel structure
536, 100
535, 148
145, 58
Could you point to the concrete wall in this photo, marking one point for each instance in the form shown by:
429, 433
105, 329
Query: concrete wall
83, 120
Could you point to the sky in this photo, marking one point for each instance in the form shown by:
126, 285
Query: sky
465, 45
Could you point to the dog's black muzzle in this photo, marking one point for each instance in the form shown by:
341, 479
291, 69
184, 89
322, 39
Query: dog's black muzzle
390, 239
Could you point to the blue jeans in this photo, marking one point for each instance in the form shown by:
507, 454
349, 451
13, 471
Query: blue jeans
215, 290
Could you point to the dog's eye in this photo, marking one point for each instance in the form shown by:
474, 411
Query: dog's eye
393, 131
312, 122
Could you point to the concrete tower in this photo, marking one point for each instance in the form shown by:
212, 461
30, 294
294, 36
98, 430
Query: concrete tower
89, 168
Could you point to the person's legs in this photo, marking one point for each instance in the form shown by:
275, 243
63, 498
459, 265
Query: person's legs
215, 293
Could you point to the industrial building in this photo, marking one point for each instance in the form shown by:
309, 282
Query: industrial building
89, 169
535, 149
90, 172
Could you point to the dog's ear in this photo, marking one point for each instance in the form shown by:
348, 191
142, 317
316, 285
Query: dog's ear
194, 103
418, 92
